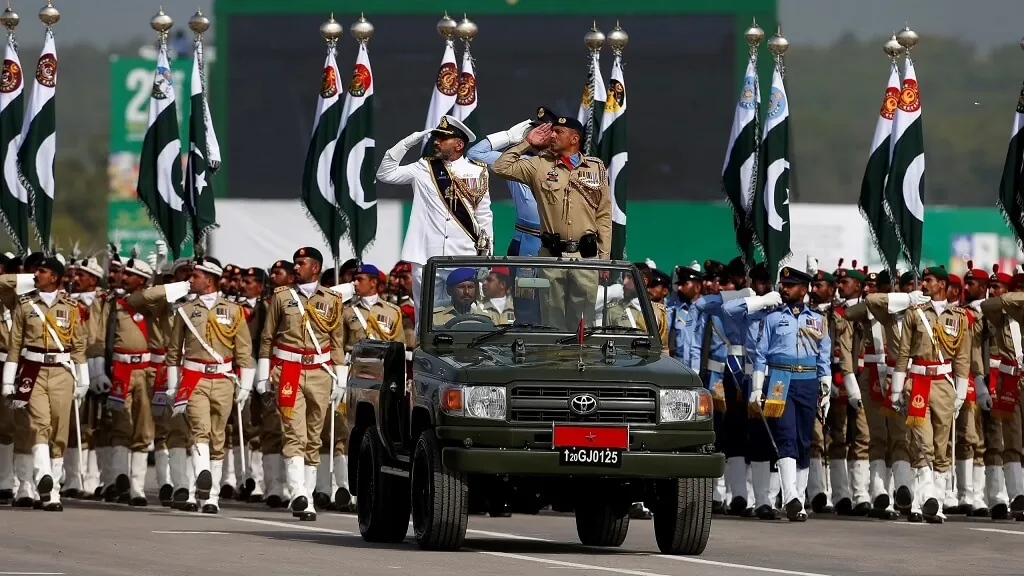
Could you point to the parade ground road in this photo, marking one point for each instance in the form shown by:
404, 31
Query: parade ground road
92, 538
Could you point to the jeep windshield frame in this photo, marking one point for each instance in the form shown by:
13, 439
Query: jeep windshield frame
432, 337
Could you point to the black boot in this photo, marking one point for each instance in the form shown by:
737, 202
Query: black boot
166, 495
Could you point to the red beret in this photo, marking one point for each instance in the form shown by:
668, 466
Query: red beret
383, 277
975, 273
501, 270
998, 276
402, 266
955, 280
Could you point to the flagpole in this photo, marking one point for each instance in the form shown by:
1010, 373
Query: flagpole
199, 24
594, 39
907, 38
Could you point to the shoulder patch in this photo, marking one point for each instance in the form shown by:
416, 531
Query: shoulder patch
390, 305
280, 289
478, 163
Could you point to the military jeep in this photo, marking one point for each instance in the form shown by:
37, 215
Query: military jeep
572, 405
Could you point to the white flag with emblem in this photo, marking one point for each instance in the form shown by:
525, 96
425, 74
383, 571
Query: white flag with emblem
446, 89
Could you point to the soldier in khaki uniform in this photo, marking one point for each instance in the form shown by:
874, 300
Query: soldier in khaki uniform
821, 296
575, 207
402, 275
496, 302
305, 338
282, 273
11, 285
209, 341
658, 286
251, 300
938, 340
998, 340
970, 428
44, 373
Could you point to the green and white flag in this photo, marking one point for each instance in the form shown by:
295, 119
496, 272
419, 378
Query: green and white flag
465, 98
318, 196
611, 149
446, 89
38, 145
203, 157
872, 189
740, 169
160, 175
905, 185
1011, 186
353, 169
770, 210
14, 202
592, 105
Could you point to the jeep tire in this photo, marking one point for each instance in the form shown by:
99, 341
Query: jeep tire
597, 524
440, 498
382, 509
682, 515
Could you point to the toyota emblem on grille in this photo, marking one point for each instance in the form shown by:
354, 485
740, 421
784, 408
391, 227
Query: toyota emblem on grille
583, 404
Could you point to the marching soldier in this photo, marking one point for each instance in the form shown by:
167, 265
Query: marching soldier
44, 374
282, 273
970, 428
11, 285
792, 364
251, 300
937, 339
998, 340
496, 302
305, 336
575, 208
210, 339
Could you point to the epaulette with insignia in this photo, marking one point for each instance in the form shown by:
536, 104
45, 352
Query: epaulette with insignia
391, 305
478, 163
280, 289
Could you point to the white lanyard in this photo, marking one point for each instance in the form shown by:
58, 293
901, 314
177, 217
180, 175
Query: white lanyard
309, 330
191, 328
60, 345
362, 322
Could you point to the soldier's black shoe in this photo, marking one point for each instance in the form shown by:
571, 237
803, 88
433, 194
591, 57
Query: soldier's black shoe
881, 503
1018, 504
299, 504
904, 497
862, 509
1000, 512
982, 512
320, 500
747, 513
6, 497
44, 486
950, 510
717, 507
844, 507
204, 483
342, 497
737, 506
37, 504
166, 494
819, 502
124, 499
884, 514
210, 509
123, 484
227, 492
23, 503
915, 517
255, 498
930, 507
637, 511
139, 502
190, 507
965, 509
98, 493
180, 495
765, 512
795, 511
110, 494
934, 519
53, 507
274, 501
247, 489
306, 516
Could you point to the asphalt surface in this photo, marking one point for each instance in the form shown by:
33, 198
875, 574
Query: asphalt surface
92, 538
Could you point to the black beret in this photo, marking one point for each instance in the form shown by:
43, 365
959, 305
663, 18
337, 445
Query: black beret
258, 273
308, 252
736, 267
51, 264
350, 264
34, 259
570, 122
759, 272
794, 276
713, 269
283, 265
659, 278
545, 115
329, 277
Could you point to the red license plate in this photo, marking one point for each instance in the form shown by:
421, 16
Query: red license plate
591, 437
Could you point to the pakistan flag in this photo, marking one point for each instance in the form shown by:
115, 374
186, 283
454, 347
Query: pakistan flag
770, 210
872, 191
354, 167
905, 186
611, 149
1011, 186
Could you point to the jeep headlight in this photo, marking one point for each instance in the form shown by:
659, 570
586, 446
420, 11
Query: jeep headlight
689, 405
486, 402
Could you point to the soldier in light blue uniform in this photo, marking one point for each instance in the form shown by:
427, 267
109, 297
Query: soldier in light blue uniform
793, 376
682, 315
526, 237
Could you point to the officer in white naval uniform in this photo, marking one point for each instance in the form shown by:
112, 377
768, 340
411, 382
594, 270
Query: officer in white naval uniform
451, 207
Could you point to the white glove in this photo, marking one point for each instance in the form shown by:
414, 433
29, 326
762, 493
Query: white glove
262, 375
178, 410
982, 396
757, 303
161, 249
82, 383
414, 138
824, 393
177, 290
245, 385
756, 389
340, 383
852, 391
346, 290
961, 395
101, 384
151, 260
7, 390
514, 135
730, 295
9, 372
918, 298
812, 266
896, 393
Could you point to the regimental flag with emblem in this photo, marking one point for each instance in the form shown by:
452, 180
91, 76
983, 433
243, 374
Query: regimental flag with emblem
318, 192
592, 105
14, 203
611, 149
740, 169
770, 209
446, 90
38, 145
203, 156
872, 188
904, 189
160, 177
1011, 186
465, 97
353, 169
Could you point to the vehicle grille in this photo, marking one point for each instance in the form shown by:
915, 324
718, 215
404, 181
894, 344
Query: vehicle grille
550, 403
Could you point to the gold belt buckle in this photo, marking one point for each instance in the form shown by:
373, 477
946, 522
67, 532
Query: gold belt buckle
307, 358
210, 369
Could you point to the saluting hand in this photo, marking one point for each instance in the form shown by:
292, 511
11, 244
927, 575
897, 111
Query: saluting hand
539, 136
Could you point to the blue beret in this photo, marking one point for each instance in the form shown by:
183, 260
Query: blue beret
368, 269
460, 275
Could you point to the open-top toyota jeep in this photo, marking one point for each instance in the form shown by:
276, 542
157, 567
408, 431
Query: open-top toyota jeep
573, 405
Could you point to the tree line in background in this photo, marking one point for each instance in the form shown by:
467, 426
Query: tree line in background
968, 101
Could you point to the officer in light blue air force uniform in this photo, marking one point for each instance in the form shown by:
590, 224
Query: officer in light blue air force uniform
526, 238
793, 375
682, 315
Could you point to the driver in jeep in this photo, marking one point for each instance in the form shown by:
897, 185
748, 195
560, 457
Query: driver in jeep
462, 288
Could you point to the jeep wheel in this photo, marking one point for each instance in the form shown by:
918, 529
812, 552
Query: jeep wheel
599, 525
440, 498
382, 510
682, 515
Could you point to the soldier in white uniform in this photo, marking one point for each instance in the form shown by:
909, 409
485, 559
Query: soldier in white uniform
451, 207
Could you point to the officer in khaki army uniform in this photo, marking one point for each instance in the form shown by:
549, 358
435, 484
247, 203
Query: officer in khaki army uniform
302, 358
937, 338
11, 285
44, 374
658, 286
210, 340
282, 273
970, 429
251, 300
463, 288
575, 208
496, 302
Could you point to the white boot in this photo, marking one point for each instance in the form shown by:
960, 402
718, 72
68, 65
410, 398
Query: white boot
105, 463
839, 474
979, 485
802, 475
736, 482
23, 470
201, 468
272, 465
750, 488
323, 477
212, 504
904, 477
947, 493
720, 489
860, 480
965, 484
241, 472
295, 479
57, 468
923, 480
877, 479
342, 495
177, 463
1014, 484
933, 487
120, 468
761, 478
42, 473
7, 477
72, 470
311, 474
140, 466
162, 460
228, 477
92, 472
776, 488
816, 479
256, 473
995, 492
791, 502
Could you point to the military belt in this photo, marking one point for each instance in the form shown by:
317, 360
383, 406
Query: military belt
792, 367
